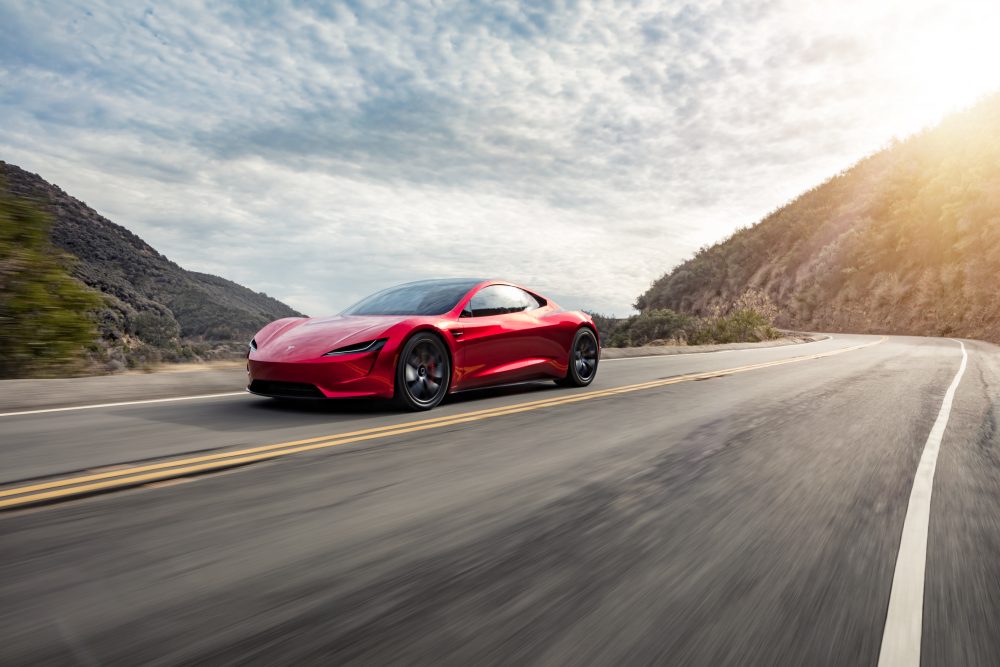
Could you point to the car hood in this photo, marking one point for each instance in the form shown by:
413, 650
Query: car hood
306, 339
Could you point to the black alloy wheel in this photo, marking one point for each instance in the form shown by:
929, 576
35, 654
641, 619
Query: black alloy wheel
423, 372
583, 357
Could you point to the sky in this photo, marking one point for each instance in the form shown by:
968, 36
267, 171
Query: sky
321, 151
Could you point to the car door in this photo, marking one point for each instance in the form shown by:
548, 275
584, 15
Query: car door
501, 339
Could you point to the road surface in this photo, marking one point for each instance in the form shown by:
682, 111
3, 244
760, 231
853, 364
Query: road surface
743, 507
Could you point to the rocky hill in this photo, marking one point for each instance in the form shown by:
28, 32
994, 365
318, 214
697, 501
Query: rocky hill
906, 241
152, 308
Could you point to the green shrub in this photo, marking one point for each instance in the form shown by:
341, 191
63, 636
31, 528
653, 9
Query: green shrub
159, 329
741, 326
45, 322
749, 319
605, 324
653, 325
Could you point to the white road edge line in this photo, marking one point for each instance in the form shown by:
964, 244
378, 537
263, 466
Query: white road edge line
114, 405
904, 620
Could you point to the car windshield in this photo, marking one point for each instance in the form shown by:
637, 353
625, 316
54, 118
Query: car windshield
427, 297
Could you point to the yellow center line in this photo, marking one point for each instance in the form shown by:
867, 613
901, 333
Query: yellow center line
131, 476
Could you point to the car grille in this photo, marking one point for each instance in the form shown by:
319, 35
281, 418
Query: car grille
285, 389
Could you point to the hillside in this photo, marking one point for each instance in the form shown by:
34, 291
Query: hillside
906, 241
152, 308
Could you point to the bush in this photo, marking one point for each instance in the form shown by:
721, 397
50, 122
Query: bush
742, 326
653, 325
749, 319
605, 325
45, 322
157, 329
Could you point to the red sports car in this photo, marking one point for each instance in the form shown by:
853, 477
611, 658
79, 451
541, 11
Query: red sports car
420, 341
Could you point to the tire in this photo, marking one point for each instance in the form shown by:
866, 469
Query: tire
423, 373
583, 358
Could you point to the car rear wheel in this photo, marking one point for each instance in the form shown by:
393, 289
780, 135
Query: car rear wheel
422, 373
583, 357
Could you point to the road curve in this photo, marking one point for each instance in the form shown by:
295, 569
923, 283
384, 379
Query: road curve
743, 507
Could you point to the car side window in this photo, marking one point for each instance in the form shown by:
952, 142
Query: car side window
500, 300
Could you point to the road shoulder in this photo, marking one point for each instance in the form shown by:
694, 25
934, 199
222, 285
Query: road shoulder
793, 338
41, 394
193, 380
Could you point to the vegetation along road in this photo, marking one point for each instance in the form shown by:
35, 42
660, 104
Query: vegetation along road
745, 506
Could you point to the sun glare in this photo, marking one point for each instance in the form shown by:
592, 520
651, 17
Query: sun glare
943, 57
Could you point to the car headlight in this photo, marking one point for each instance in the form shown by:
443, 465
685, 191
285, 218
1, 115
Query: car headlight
367, 346
253, 344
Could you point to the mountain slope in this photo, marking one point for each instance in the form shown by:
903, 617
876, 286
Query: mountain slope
154, 309
906, 241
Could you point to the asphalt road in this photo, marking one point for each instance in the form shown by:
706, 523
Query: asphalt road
746, 517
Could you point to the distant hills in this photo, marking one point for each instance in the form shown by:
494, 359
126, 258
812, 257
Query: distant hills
152, 309
906, 241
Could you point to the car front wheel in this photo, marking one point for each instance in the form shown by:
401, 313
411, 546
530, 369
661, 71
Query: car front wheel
583, 357
422, 373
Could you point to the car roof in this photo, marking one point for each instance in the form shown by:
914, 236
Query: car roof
471, 282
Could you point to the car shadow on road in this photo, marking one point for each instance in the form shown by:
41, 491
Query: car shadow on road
474, 395
348, 406
257, 413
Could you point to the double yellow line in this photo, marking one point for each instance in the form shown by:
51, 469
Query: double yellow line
97, 482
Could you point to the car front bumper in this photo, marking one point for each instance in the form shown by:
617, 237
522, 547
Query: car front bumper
351, 376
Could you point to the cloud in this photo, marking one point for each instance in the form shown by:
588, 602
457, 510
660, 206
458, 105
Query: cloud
320, 151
